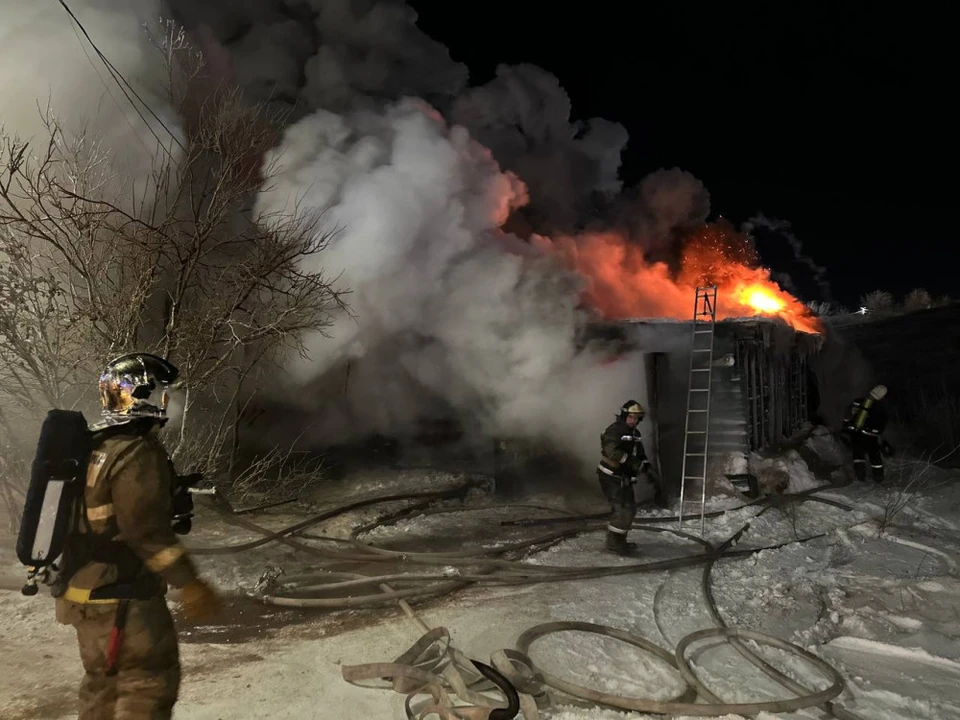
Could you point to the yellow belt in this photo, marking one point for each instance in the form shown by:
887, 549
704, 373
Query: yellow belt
82, 597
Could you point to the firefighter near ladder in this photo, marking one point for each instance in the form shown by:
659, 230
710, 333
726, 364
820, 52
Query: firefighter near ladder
863, 428
622, 460
103, 512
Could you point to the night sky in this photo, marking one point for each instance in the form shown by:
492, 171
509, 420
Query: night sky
832, 119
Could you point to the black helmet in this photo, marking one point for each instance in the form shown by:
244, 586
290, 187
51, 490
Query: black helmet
135, 385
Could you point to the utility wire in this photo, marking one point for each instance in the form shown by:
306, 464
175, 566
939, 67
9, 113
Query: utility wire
125, 87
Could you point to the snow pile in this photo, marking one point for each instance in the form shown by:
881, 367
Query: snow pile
786, 474
826, 446
735, 463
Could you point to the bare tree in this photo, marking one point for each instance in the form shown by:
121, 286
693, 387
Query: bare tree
826, 308
879, 303
93, 264
917, 299
910, 483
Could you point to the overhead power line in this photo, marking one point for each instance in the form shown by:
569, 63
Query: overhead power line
125, 87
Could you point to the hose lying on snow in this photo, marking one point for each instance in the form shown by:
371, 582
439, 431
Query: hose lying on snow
440, 676
517, 666
464, 567
489, 566
754, 658
432, 667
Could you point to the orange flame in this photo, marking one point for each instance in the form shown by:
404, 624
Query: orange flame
623, 284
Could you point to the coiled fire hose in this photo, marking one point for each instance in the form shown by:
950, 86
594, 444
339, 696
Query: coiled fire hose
514, 667
533, 680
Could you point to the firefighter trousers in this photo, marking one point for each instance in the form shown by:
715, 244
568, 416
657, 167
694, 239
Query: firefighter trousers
865, 447
621, 498
147, 678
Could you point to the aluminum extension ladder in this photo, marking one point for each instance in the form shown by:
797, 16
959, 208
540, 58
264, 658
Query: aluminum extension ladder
696, 428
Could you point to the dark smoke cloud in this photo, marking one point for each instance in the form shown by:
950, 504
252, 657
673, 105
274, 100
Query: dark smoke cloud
422, 172
523, 117
805, 277
664, 206
329, 54
342, 55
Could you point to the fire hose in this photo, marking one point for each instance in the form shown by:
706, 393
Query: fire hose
505, 671
680, 705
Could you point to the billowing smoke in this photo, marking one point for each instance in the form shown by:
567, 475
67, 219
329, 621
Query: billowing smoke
803, 269
665, 203
523, 117
330, 54
44, 59
448, 309
450, 312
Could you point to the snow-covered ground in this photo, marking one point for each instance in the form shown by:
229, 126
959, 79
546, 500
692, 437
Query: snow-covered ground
882, 606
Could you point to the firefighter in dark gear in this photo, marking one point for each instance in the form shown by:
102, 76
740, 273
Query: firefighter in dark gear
863, 426
622, 459
122, 553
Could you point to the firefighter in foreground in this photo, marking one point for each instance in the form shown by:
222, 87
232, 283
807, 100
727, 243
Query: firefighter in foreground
622, 460
863, 427
122, 553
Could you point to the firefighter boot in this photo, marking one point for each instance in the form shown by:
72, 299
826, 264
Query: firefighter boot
860, 470
617, 543
660, 498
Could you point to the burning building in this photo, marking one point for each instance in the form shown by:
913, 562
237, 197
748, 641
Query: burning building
764, 389
473, 229
765, 340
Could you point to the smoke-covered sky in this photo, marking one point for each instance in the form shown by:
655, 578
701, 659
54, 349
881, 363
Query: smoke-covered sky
422, 172
43, 61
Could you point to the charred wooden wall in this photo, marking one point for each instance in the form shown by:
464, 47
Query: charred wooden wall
763, 388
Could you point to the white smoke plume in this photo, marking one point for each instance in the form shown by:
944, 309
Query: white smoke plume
448, 309
45, 60
449, 312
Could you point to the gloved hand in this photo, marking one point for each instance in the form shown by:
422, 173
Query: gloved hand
191, 480
200, 601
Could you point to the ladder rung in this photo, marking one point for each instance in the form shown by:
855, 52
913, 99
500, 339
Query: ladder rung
700, 370
699, 389
696, 454
702, 350
692, 410
700, 332
696, 432
689, 477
